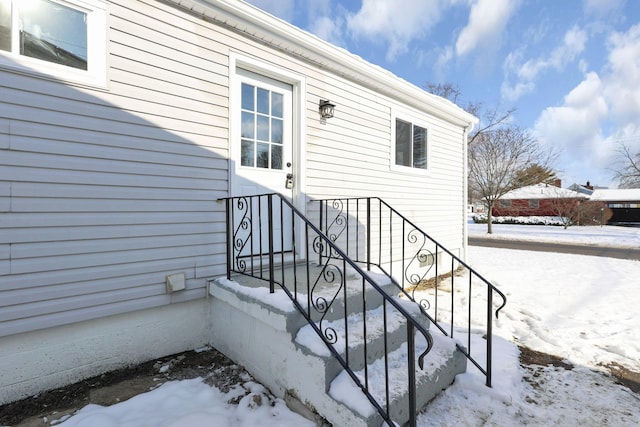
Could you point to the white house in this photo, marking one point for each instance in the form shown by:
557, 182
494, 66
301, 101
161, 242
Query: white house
120, 129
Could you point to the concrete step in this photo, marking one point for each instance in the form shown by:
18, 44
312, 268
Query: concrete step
363, 339
316, 288
264, 332
358, 333
441, 365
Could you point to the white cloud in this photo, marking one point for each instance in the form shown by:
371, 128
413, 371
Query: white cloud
575, 123
601, 8
573, 44
600, 111
445, 55
623, 82
328, 29
511, 93
574, 130
396, 22
486, 24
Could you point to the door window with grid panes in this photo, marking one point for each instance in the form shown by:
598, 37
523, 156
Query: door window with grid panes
262, 128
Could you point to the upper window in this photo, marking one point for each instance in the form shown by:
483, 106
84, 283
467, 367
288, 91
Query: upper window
52, 36
411, 145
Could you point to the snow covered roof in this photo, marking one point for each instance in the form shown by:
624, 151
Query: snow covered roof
542, 191
616, 195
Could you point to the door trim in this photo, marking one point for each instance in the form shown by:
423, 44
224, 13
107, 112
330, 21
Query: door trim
298, 117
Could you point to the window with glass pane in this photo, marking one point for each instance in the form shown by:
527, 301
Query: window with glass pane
46, 30
411, 145
403, 143
262, 128
5, 25
419, 147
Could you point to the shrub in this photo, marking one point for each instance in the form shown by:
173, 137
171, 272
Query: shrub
524, 220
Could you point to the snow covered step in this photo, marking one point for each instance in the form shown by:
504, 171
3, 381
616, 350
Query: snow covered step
358, 333
323, 292
333, 297
263, 338
441, 365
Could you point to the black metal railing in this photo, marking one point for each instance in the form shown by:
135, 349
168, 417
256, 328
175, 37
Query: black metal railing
374, 234
269, 239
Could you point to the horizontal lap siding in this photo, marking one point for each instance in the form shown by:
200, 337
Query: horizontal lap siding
349, 156
105, 192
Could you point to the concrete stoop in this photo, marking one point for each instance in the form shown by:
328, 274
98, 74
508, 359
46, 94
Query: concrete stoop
266, 334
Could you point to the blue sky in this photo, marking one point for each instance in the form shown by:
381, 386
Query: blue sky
571, 68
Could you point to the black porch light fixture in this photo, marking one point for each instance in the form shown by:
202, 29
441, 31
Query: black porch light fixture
326, 109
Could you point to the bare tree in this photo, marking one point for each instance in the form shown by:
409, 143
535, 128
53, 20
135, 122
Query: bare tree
491, 118
629, 173
592, 212
497, 159
566, 208
445, 90
502, 156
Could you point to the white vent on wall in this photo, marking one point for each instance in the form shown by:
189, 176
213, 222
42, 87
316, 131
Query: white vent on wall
175, 282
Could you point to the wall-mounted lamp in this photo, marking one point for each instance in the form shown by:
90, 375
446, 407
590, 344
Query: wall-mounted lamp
326, 109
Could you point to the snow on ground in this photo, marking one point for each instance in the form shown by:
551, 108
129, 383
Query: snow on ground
607, 235
191, 403
581, 308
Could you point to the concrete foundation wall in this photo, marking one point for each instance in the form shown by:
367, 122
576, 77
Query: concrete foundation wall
54, 357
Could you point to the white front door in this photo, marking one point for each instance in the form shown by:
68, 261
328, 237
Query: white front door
262, 151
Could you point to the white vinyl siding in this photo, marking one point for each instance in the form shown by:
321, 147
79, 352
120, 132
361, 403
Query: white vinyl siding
103, 192
349, 156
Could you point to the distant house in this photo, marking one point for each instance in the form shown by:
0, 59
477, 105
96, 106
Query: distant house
624, 204
537, 200
587, 188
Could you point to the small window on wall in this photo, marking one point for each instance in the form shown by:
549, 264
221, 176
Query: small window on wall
5, 25
534, 203
69, 34
505, 203
410, 145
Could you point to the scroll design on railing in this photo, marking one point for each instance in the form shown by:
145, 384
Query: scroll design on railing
381, 224
421, 256
330, 274
339, 222
329, 250
242, 233
325, 283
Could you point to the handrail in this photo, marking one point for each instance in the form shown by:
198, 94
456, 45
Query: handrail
256, 249
351, 222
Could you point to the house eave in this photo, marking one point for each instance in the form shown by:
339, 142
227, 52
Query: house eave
253, 22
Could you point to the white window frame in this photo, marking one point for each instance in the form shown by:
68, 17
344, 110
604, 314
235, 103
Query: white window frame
414, 120
96, 73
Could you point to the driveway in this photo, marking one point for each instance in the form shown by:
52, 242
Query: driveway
594, 250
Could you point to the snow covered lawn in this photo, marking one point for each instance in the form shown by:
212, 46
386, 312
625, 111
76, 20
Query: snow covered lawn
580, 308
607, 235
583, 309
